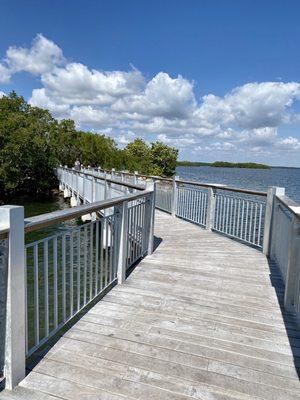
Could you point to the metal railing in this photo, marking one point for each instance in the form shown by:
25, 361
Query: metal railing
269, 221
285, 246
68, 269
237, 213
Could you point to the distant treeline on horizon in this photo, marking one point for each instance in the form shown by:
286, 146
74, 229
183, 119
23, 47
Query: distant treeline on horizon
224, 164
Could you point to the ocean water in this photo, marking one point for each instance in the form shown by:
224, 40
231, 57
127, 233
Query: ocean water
246, 178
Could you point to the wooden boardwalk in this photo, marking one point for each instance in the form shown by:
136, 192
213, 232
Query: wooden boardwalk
198, 319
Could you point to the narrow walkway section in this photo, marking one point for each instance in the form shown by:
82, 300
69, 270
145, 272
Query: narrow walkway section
198, 319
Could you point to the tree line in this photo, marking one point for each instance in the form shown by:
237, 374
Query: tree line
222, 164
33, 143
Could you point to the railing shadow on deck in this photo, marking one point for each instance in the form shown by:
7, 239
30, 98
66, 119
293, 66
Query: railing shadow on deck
291, 323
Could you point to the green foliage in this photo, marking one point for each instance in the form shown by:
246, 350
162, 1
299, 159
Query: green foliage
32, 143
223, 164
156, 159
239, 165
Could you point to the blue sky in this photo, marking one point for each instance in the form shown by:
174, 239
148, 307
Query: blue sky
217, 79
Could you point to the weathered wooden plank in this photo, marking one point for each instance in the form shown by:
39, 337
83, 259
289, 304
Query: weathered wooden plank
200, 318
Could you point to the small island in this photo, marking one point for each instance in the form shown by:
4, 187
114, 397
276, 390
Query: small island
224, 164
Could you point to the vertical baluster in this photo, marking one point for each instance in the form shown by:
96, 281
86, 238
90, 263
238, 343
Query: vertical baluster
217, 204
234, 203
224, 214
242, 218
46, 289
197, 202
63, 253
220, 212
111, 251
141, 227
194, 205
36, 294
179, 201
202, 209
259, 225
255, 224
85, 264
91, 259
26, 300
246, 222
71, 274
185, 203
97, 257
55, 282
106, 251
115, 246
101, 253
231, 216
250, 221
135, 233
238, 218
78, 269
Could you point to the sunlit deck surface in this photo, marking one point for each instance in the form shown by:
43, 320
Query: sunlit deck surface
199, 318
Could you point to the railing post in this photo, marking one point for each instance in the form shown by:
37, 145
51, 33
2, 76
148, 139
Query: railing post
14, 370
174, 195
135, 177
151, 215
211, 207
269, 216
112, 172
122, 239
293, 267
83, 188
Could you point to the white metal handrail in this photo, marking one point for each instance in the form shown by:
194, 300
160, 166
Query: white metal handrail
67, 270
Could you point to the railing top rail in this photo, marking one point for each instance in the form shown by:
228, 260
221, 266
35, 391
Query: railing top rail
199, 184
44, 220
223, 187
290, 204
117, 182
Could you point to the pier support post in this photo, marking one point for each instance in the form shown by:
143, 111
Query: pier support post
12, 217
211, 207
174, 195
269, 217
122, 211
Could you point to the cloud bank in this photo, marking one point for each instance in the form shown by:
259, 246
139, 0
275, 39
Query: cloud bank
124, 104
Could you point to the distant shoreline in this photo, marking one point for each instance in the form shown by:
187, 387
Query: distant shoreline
223, 164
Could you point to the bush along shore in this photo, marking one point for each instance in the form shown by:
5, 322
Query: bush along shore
222, 164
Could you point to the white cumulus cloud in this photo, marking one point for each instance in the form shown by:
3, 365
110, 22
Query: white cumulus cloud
125, 104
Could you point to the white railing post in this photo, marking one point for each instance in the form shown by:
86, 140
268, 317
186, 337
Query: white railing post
211, 207
269, 217
135, 177
293, 267
14, 370
174, 195
151, 215
112, 173
122, 239
83, 188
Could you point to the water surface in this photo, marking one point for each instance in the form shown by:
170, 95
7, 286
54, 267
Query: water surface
257, 179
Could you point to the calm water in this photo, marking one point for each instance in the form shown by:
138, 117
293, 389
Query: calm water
258, 179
